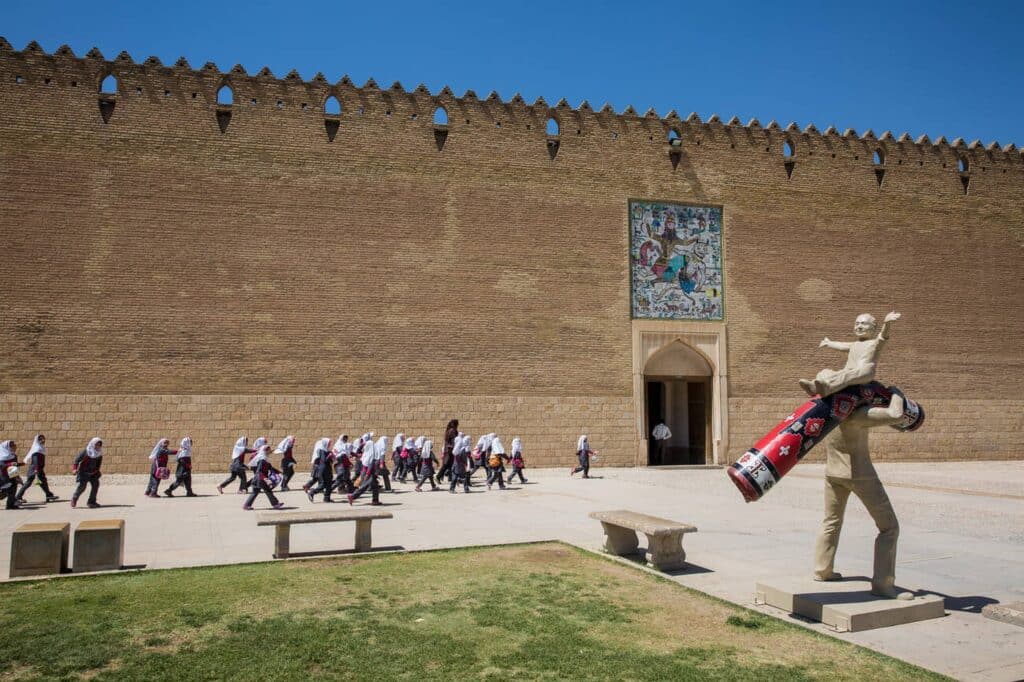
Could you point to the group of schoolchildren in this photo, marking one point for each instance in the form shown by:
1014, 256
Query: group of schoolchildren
351, 467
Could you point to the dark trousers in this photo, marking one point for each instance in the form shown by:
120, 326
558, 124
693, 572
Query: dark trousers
239, 473
446, 468
154, 482
9, 490
496, 477
584, 465
456, 478
182, 478
94, 486
369, 483
41, 475
260, 486
343, 481
383, 471
287, 471
426, 473
323, 484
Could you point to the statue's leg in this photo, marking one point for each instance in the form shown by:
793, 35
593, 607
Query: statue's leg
828, 381
837, 492
875, 499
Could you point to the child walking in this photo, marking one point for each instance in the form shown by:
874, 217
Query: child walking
342, 465
518, 464
427, 461
460, 465
86, 467
322, 470
35, 460
8, 467
583, 454
158, 470
261, 470
237, 468
183, 471
284, 448
373, 455
496, 463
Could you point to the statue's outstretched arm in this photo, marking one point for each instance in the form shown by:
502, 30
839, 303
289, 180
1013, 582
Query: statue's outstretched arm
891, 317
834, 345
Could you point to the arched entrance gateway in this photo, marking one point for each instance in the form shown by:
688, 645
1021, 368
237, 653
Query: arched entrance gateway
679, 379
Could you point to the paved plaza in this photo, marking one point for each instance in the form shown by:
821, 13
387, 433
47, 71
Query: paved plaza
961, 536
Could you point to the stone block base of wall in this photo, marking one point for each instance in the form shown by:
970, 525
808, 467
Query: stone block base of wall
953, 429
131, 424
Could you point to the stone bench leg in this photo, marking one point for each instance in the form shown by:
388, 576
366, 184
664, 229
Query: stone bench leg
363, 537
282, 540
618, 540
665, 552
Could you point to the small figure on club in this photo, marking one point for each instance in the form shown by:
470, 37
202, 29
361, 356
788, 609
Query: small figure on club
861, 360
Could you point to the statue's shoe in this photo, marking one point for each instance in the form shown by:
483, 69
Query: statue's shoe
831, 577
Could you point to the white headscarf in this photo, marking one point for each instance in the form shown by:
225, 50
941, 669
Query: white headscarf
462, 443
342, 446
160, 445
283, 446
260, 442
420, 441
185, 449
241, 445
582, 443
380, 448
322, 444
36, 447
427, 449
496, 447
481, 443
517, 446
399, 439
260, 456
95, 448
369, 454
6, 453
410, 444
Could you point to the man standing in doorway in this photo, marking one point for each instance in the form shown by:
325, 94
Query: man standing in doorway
661, 434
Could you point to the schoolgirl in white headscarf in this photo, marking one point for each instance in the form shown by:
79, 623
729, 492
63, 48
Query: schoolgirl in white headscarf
35, 460
374, 455
342, 465
86, 467
8, 472
427, 461
583, 453
237, 468
284, 448
518, 464
183, 472
321, 473
496, 462
158, 465
262, 473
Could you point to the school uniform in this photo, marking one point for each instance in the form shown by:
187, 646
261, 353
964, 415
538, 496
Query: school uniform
322, 470
237, 467
518, 464
35, 460
261, 470
183, 471
86, 467
373, 455
342, 466
583, 453
285, 448
8, 484
426, 471
460, 465
158, 460
496, 463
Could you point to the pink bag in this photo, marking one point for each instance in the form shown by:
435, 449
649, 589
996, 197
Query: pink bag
163, 473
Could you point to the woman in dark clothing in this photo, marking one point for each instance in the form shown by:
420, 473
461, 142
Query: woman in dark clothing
86, 468
36, 462
451, 432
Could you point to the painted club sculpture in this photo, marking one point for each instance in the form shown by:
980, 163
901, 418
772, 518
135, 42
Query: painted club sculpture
835, 396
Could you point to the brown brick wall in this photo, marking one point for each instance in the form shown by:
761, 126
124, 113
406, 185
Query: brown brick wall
156, 255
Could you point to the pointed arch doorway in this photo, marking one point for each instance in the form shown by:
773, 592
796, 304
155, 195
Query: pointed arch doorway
679, 379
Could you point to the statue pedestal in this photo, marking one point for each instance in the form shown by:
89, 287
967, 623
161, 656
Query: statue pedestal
846, 605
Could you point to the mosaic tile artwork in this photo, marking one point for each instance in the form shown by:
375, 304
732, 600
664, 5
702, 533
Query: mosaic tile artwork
675, 261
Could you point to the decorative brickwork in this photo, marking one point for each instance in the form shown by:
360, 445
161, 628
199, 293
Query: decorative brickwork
207, 253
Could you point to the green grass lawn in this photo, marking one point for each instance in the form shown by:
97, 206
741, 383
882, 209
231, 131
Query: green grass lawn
544, 611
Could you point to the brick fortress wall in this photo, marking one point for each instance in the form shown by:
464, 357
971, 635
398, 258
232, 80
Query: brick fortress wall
163, 276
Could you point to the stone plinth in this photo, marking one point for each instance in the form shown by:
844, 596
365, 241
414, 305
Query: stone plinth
846, 605
99, 546
39, 549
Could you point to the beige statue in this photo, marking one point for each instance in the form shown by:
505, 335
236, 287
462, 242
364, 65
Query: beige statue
861, 360
848, 469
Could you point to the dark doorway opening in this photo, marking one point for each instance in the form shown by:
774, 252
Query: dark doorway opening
683, 404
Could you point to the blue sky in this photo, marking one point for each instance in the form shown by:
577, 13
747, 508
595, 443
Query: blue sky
936, 68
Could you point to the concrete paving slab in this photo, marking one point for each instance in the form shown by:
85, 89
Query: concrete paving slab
967, 548
846, 605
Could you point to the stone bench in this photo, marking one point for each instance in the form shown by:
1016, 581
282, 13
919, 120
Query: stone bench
282, 521
39, 549
99, 546
664, 537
